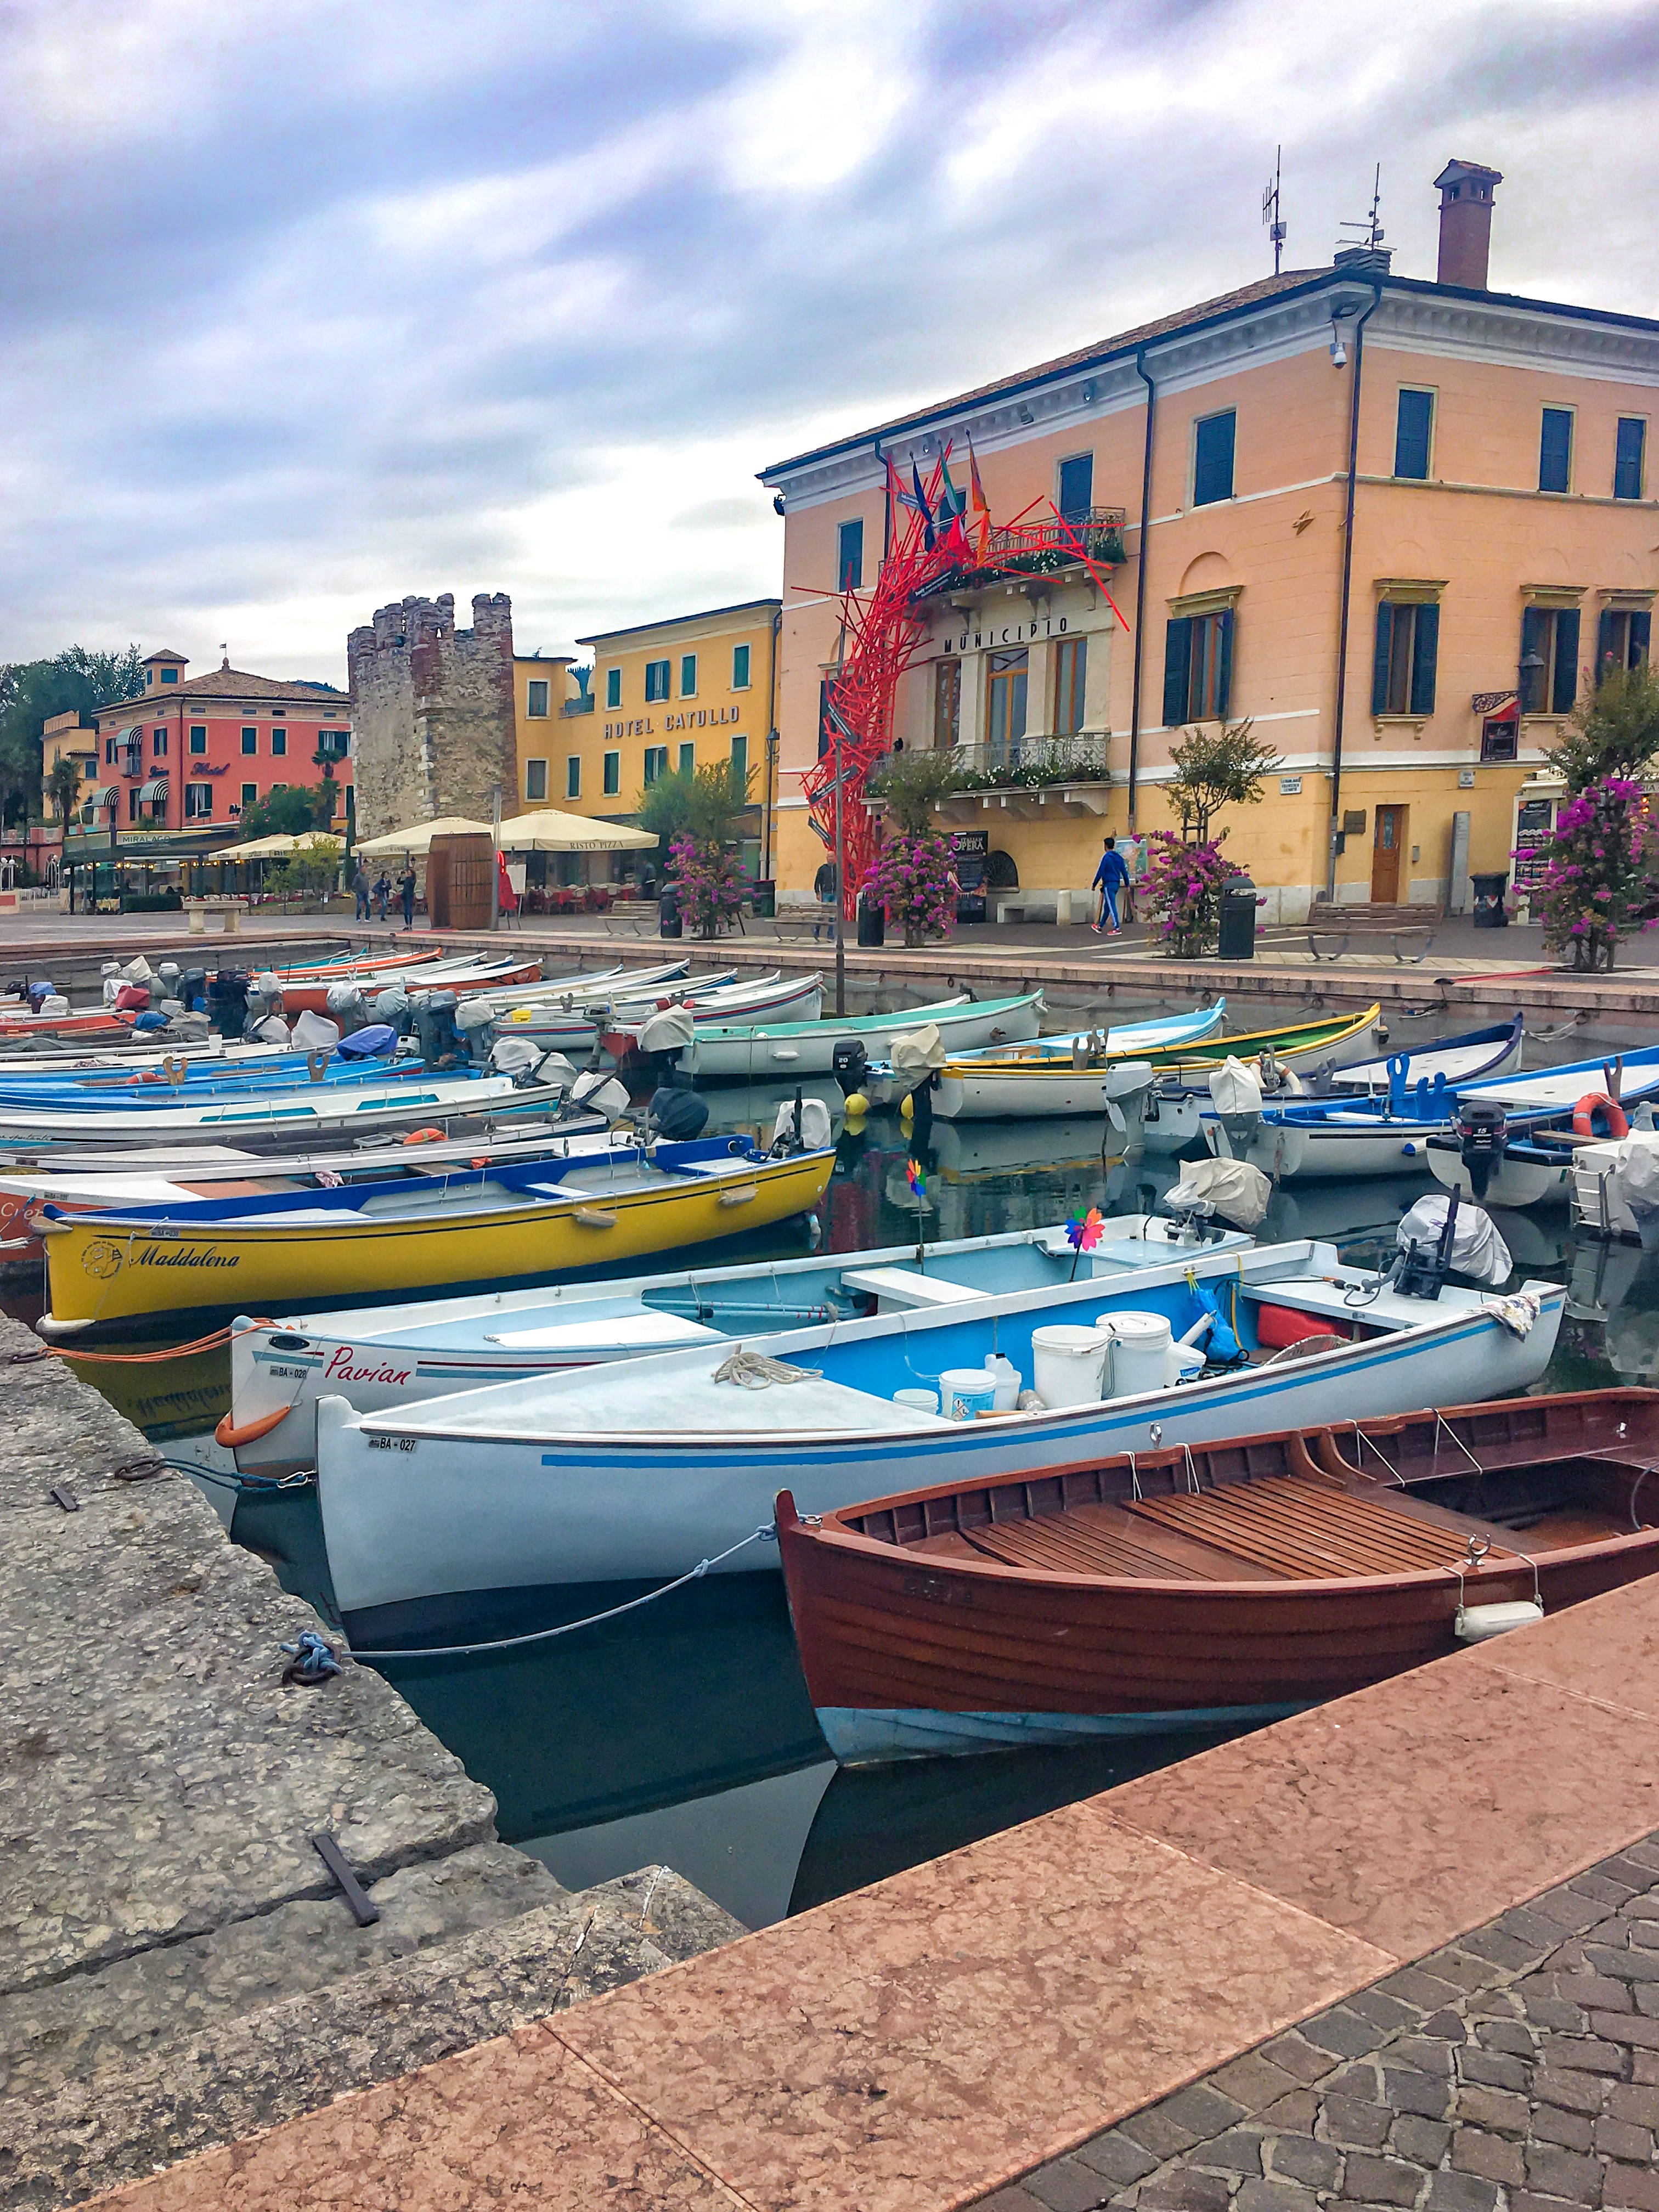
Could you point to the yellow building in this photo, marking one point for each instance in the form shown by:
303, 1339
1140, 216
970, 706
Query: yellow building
547, 695
66, 737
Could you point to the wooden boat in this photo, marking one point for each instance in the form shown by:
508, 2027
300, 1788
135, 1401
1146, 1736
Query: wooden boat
98, 1022
1476, 1056
464, 1226
809, 1048
566, 1478
1226, 1584
382, 1357
465, 978
570, 1021
1031, 1080
347, 965
784, 998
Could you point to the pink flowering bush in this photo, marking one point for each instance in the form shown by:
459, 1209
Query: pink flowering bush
1600, 873
913, 881
709, 880
1182, 892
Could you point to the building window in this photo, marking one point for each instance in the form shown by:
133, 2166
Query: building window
849, 556
1008, 674
1629, 451
279, 745
1071, 676
133, 803
169, 676
1549, 660
1555, 450
656, 680
740, 668
1212, 458
159, 745
573, 776
337, 744
535, 781
656, 761
1407, 651
250, 794
1621, 641
613, 687
688, 676
198, 737
947, 705
250, 741
536, 697
1077, 487
198, 802
1413, 432
687, 759
612, 774
1198, 668
740, 761
109, 752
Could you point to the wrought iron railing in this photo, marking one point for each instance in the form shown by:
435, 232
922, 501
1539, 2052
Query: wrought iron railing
1033, 762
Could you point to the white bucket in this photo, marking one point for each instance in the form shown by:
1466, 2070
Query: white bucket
920, 1401
1068, 1363
965, 1393
1141, 1346
1006, 1376
1186, 1363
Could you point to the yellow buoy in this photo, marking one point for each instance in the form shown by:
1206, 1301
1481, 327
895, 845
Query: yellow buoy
906, 1108
857, 1105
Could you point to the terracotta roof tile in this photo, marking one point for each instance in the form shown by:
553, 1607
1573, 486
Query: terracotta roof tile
236, 684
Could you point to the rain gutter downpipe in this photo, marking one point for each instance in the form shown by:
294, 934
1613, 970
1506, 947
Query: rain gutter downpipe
1140, 578
1360, 321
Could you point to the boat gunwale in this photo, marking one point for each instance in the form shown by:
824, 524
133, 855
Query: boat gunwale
1342, 1026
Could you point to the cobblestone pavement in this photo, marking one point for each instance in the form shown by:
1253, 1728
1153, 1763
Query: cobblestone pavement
1517, 2071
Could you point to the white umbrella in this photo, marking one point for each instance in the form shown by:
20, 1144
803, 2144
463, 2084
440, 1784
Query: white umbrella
552, 830
418, 838
278, 846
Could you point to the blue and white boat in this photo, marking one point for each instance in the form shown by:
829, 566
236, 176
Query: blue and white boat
571, 1478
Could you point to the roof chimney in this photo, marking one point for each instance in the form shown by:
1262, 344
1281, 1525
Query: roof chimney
1466, 190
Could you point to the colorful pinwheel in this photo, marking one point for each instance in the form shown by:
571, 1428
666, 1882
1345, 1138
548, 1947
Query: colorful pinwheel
1083, 1233
916, 1176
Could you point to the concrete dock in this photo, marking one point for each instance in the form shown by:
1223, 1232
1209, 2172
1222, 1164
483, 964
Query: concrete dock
178, 1967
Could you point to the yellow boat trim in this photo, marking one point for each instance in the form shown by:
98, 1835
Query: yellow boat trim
1211, 1052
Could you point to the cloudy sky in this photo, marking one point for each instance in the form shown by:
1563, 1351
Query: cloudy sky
308, 304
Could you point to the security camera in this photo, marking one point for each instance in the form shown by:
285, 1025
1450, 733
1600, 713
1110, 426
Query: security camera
777, 502
1339, 352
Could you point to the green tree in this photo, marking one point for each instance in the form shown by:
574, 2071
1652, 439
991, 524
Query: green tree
63, 787
1215, 769
1613, 731
288, 810
703, 804
76, 680
327, 792
913, 785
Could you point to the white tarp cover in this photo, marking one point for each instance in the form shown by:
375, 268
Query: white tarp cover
918, 1052
1235, 1089
1233, 1188
1477, 1250
816, 1130
669, 1030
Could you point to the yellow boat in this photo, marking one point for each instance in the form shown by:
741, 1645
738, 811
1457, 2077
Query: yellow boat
492, 1226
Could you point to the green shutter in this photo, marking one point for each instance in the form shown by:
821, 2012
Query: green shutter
1177, 665
1224, 674
1380, 658
1426, 648
1566, 660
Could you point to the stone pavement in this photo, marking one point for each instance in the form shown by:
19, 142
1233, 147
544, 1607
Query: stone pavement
1514, 2070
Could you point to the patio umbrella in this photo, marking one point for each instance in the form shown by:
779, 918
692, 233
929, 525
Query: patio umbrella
551, 831
418, 838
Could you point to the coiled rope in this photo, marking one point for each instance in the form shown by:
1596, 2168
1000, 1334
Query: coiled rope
756, 1370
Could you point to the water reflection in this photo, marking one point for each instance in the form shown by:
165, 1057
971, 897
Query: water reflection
684, 1733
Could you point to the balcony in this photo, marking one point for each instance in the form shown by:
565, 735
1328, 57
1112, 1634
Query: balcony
1040, 548
583, 704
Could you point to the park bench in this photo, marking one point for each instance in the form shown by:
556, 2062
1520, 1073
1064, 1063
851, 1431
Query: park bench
1362, 925
197, 911
1065, 906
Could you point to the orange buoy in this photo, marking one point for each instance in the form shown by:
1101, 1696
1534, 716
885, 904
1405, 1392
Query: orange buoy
424, 1137
1597, 1102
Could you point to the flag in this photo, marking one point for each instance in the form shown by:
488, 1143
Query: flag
929, 537
979, 505
951, 502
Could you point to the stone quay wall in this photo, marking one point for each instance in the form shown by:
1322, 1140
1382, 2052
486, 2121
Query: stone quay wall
432, 712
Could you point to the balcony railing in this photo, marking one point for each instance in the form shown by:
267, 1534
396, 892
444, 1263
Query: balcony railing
582, 704
1029, 763
1044, 546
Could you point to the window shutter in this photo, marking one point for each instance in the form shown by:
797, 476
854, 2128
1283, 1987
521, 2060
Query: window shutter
1566, 660
1605, 647
1224, 674
1177, 664
1640, 630
1380, 658
1532, 642
1426, 648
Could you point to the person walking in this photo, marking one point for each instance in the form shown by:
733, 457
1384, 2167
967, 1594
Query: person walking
360, 892
1110, 878
382, 895
406, 893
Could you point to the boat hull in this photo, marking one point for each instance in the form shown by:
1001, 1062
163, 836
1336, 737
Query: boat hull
409, 1517
809, 1049
1292, 1152
99, 1271
1521, 1180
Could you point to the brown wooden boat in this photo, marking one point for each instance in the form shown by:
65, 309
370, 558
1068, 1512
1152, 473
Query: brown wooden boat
1231, 1582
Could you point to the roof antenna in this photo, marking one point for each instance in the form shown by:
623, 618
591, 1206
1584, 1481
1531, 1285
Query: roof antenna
1270, 214
1369, 224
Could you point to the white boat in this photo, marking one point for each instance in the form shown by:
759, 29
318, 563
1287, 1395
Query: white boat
809, 1048
968, 1090
393, 1356
571, 1021
1533, 1171
1476, 1056
570, 1478
773, 998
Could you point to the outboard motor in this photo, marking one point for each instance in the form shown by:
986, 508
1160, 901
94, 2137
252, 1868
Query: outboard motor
168, 974
595, 1092
677, 1114
228, 1001
434, 1026
347, 1008
1435, 1240
392, 1007
374, 1041
38, 993
663, 1038
475, 1024
1482, 1131
803, 1125
192, 989
850, 1066
1235, 1094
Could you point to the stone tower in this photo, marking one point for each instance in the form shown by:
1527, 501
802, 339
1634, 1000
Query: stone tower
432, 712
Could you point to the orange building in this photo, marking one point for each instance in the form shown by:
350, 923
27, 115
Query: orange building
1397, 524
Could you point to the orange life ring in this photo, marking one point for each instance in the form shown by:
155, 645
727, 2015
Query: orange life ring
1592, 1101
424, 1137
227, 1433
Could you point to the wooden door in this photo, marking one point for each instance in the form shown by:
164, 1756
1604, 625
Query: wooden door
1389, 837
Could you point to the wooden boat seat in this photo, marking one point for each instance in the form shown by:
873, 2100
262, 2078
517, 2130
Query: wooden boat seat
1103, 1540
1310, 1530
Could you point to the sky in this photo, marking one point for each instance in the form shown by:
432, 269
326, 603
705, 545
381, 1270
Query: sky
306, 305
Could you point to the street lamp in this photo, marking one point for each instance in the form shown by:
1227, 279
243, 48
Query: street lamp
1532, 663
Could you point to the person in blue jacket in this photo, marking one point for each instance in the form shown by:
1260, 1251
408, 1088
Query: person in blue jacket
1110, 877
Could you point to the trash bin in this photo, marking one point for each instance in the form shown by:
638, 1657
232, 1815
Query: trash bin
872, 923
1490, 912
1238, 919
669, 923
765, 900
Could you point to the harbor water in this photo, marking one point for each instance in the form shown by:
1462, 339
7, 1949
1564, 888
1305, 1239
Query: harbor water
683, 1733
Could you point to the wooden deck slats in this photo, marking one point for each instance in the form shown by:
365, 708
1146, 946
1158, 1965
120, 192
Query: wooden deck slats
1308, 1530
1061, 1544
